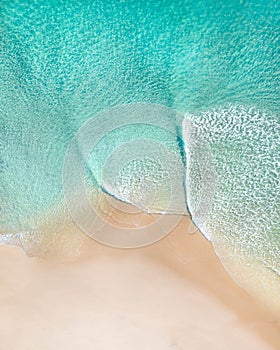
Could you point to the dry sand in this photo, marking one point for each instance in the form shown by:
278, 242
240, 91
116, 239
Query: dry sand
171, 295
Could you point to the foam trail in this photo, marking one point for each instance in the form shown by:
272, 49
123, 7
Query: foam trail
241, 217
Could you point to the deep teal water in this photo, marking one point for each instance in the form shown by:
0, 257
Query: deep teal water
63, 62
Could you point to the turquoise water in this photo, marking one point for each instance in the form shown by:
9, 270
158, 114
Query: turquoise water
64, 63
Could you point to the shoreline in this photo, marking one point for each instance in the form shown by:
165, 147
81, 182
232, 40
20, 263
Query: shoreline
173, 294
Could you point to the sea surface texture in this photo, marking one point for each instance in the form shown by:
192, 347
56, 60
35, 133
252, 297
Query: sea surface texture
232, 180
141, 92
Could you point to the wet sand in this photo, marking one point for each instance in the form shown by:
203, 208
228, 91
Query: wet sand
172, 295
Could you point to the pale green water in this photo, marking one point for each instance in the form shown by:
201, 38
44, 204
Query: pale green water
217, 62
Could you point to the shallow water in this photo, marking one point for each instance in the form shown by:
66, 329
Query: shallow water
233, 190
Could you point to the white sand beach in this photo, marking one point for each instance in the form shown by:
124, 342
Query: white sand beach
172, 295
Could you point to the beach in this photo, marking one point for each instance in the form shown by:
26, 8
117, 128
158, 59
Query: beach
171, 295
119, 120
